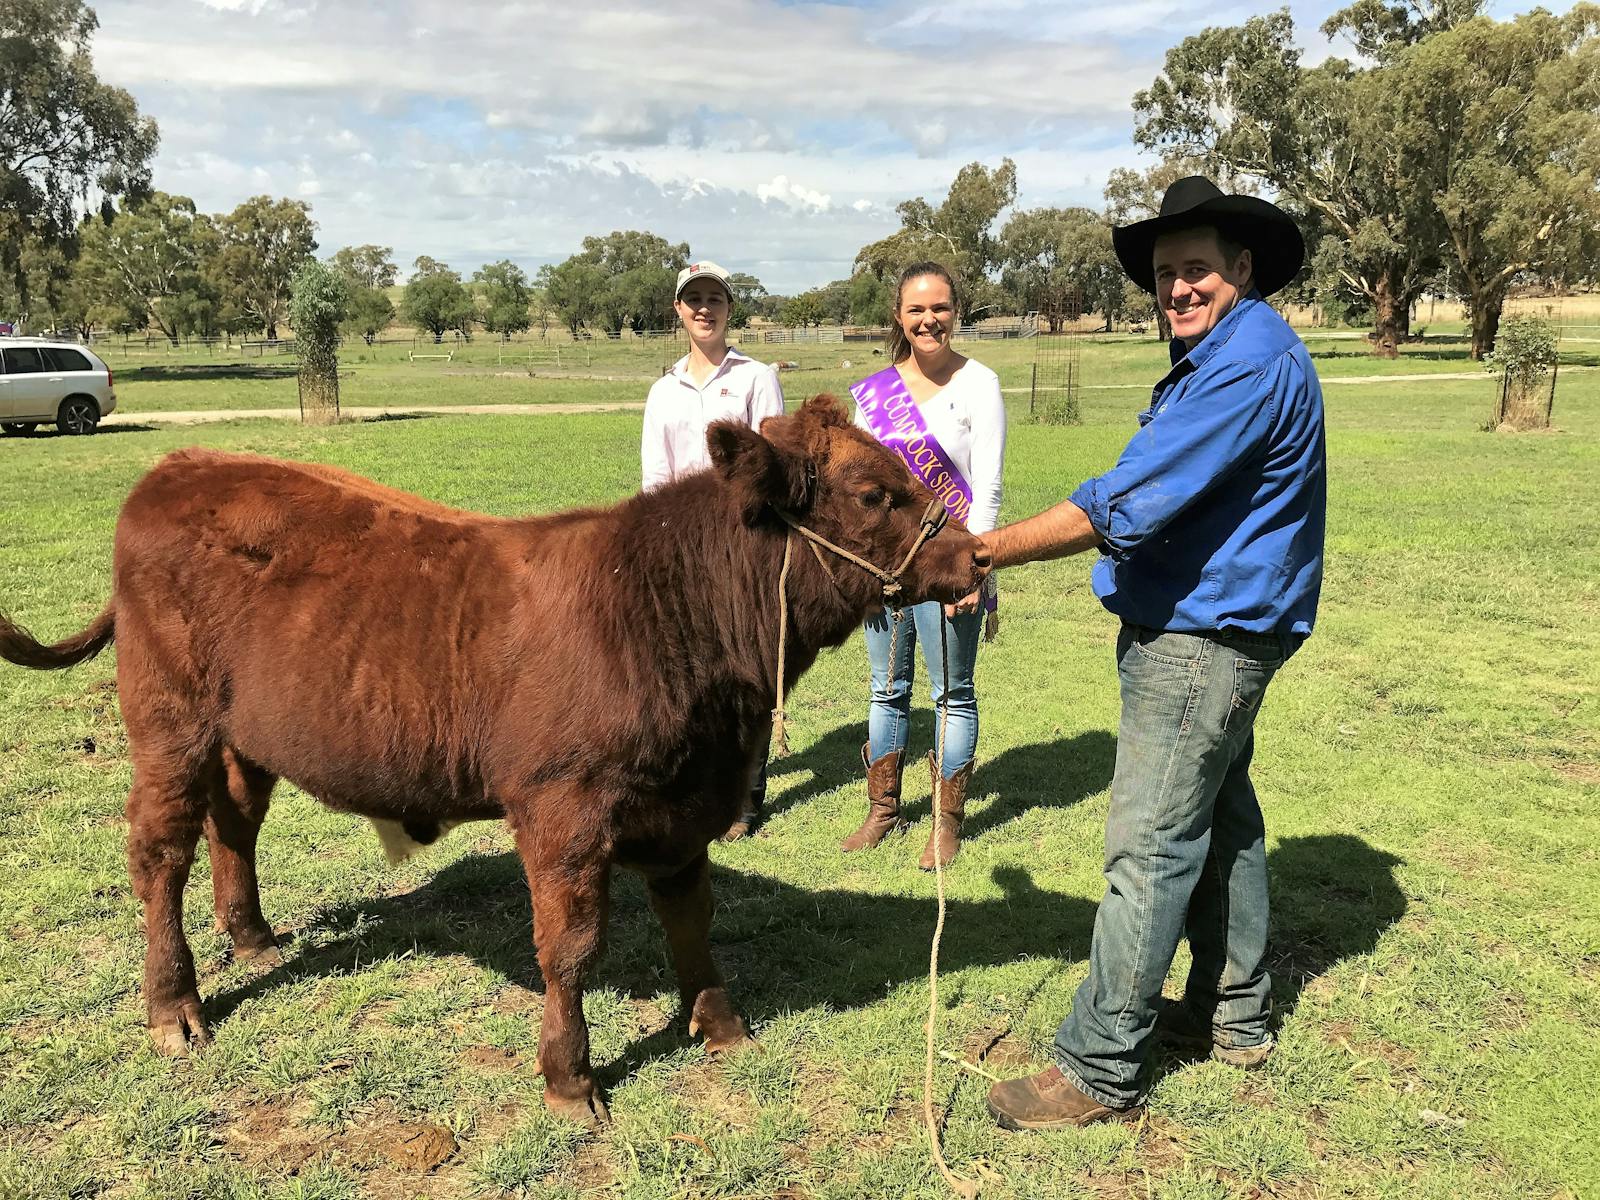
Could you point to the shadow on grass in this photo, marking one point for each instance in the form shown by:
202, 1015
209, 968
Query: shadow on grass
782, 947
1332, 895
1332, 898
207, 372
1442, 350
42, 433
1055, 774
785, 947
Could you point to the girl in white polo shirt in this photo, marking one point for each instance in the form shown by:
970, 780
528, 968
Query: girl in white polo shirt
713, 382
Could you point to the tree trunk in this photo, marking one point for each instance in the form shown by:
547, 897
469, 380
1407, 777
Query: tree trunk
272, 331
1163, 326
1387, 328
1486, 309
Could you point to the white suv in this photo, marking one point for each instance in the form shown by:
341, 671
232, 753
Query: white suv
52, 383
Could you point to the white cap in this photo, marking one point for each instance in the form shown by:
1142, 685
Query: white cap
704, 270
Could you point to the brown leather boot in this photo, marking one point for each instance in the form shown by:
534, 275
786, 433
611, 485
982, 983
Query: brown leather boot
883, 802
1049, 1100
951, 797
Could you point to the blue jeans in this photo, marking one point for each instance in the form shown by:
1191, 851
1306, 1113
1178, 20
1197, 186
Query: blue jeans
890, 715
1185, 855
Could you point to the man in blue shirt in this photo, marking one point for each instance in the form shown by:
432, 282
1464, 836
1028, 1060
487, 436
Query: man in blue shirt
1210, 528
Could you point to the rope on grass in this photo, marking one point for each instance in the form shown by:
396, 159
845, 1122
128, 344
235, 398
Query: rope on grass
962, 1187
933, 519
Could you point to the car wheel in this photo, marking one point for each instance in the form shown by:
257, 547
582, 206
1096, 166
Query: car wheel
17, 428
78, 415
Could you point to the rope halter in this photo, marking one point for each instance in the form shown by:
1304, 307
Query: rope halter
933, 520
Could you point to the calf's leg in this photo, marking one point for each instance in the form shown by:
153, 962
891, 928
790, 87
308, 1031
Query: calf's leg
682, 903
571, 900
239, 802
166, 808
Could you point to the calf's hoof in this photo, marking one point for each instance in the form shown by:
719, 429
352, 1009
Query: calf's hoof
179, 1027
715, 1019
589, 1111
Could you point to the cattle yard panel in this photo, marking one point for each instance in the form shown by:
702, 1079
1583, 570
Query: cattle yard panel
1053, 395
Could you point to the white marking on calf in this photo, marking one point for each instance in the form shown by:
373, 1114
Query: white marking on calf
398, 845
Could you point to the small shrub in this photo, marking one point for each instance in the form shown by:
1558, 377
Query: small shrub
1058, 408
317, 306
1524, 354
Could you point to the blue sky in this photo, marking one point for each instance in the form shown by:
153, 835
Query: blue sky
774, 136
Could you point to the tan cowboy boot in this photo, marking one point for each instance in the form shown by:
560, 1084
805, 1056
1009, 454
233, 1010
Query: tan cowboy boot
951, 797
883, 797
1049, 1100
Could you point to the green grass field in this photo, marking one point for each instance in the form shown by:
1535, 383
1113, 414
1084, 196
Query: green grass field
1429, 765
155, 380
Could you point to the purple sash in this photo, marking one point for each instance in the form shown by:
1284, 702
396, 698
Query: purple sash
892, 415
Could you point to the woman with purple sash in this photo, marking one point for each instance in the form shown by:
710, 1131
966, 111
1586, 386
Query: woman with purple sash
942, 413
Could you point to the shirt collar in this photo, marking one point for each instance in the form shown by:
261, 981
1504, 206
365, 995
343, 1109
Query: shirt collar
1185, 360
681, 367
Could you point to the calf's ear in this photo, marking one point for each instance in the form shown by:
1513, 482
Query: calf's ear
759, 472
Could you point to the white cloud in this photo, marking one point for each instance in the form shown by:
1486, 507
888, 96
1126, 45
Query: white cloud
482, 129
253, 7
792, 194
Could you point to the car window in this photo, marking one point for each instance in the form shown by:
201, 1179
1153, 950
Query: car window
61, 358
23, 360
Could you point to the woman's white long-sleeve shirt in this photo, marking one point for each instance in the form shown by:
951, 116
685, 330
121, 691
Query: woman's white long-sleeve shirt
968, 418
678, 410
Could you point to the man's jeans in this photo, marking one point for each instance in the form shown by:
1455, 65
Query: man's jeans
1184, 855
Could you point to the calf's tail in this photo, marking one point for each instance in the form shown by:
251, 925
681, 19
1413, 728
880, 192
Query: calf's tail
19, 646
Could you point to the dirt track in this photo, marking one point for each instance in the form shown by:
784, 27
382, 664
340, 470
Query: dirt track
358, 413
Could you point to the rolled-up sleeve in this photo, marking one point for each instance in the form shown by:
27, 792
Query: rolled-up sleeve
1220, 422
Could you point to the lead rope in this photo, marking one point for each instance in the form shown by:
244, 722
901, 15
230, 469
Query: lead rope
780, 719
962, 1187
965, 1188
933, 520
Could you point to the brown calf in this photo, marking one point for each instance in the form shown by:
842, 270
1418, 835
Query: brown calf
603, 679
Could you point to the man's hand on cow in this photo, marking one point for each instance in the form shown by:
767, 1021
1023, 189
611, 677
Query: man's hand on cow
967, 604
1054, 533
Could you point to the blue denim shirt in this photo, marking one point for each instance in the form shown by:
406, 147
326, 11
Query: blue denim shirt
1213, 517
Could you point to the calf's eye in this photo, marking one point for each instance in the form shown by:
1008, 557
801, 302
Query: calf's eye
872, 499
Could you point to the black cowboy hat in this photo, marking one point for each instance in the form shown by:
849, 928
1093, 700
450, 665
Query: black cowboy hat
1277, 250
